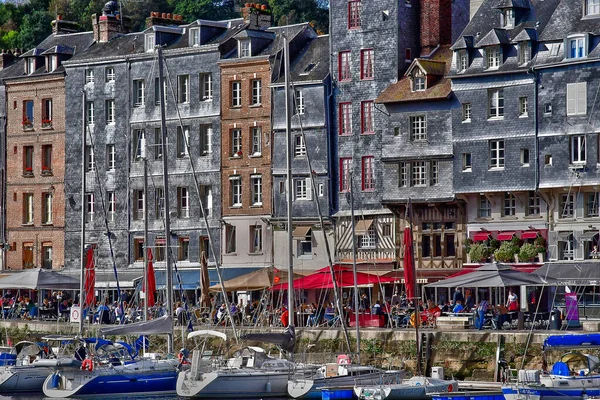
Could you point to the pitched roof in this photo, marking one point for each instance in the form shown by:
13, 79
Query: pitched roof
429, 67
464, 42
527, 34
312, 64
568, 18
512, 4
494, 37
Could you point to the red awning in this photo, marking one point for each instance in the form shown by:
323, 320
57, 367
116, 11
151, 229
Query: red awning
321, 279
481, 236
529, 235
506, 235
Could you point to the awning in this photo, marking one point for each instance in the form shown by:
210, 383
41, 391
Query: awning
190, 278
481, 236
529, 235
564, 236
301, 231
506, 235
362, 226
588, 236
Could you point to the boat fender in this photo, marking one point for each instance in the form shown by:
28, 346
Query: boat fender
450, 388
268, 388
182, 358
418, 384
54, 381
87, 365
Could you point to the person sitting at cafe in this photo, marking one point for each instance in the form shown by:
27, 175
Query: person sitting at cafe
470, 302
312, 316
377, 310
481, 310
458, 307
103, 313
501, 315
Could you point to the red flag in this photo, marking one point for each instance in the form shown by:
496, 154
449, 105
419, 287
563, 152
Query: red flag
150, 282
90, 278
409, 265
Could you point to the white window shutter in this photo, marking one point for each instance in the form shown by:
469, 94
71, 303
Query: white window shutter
582, 98
571, 98
308, 189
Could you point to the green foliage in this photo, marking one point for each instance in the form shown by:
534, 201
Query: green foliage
528, 252
204, 9
506, 252
478, 252
494, 244
295, 11
516, 241
468, 244
35, 28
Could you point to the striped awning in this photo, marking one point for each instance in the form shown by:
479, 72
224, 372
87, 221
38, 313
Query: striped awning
362, 227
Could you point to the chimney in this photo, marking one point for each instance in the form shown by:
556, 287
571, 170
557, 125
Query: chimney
436, 24
163, 19
6, 58
257, 15
59, 26
110, 24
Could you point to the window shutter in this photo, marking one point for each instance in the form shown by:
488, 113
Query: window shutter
485, 57
308, 189
500, 56
582, 98
571, 100
202, 140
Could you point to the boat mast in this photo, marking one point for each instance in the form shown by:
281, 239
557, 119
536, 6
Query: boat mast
146, 247
165, 159
414, 285
356, 319
83, 212
288, 138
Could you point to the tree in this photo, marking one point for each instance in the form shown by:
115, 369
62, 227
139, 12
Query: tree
297, 11
35, 28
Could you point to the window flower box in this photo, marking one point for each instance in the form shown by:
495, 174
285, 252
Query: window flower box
27, 123
46, 171
46, 123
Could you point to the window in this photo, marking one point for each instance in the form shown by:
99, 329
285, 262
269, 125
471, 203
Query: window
496, 153
367, 109
299, 146
27, 255
158, 144
299, 102
205, 248
236, 94
28, 208
496, 103
149, 42
206, 86
321, 190
183, 88
523, 107
345, 119
90, 158
467, 162
207, 199
435, 173
466, 112
548, 159
592, 208
183, 141
256, 140
493, 57
28, 114
567, 205
386, 230
111, 200
109, 74
368, 173
235, 183
236, 142
302, 189
548, 108
157, 91
510, 205
344, 66
577, 98
485, 207
89, 207
366, 63
184, 248
305, 245
206, 133
183, 202
46, 113
592, 7
463, 60
525, 157
577, 144
89, 76
230, 239
576, 47
28, 160
368, 240
256, 85
256, 239
418, 81
419, 173
354, 14
47, 255
418, 128
159, 203
524, 53
138, 204
139, 144
403, 174
30, 65
89, 112
110, 111
110, 157
256, 181
508, 18
47, 159
194, 36
160, 245
533, 203
345, 170
244, 48
139, 92
138, 249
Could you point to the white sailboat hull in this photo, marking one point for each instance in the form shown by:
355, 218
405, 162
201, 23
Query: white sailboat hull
234, 384
22, 379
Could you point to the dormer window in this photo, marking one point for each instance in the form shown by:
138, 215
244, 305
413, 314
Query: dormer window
419, 83
194, 37
493, 57
30, 65
149, 42
244, 48
576, 46
592, 7
524, 52
52, 62
463, 60
508, 18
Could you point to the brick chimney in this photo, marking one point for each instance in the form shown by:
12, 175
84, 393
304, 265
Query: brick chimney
109, 24
59, 26
436, 24
7, 57
257, 15
164, 19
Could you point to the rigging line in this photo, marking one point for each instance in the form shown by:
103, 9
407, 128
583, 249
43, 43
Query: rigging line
106, 225
321, 220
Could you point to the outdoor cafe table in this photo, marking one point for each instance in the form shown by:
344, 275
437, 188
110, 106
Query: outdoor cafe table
366, 320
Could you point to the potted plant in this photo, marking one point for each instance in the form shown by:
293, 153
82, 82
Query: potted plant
528, 252
238, 154
506, 252
478, 253
46, 123
494, 244
540, 244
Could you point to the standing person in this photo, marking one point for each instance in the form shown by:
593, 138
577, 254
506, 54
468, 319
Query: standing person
458, 296
513, 301
365, 304
481, 310
396, 298
470, 302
